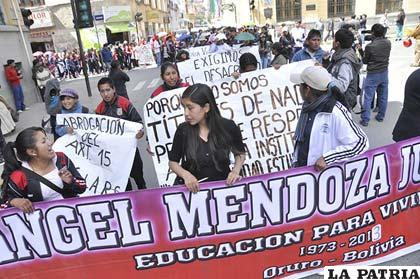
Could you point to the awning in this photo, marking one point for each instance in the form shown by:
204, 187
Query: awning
118, 27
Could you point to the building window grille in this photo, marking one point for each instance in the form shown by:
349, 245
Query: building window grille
339, 8
390, 5
288, 10
2, 21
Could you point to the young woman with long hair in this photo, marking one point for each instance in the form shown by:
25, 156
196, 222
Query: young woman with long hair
204, 142
27, 180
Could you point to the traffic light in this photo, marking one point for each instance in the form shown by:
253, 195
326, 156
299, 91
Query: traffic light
26, 13
252, 4
84, 14
138, 17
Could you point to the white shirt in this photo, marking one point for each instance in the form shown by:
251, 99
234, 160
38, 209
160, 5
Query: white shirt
49, 194
384, 21
299, 35
336, 137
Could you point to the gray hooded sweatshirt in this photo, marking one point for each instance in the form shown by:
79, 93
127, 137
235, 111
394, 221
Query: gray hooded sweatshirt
344, 68
52, 97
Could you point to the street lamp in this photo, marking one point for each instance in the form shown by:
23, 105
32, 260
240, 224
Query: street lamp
231, 8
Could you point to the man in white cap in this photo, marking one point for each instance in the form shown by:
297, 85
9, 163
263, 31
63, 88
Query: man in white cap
219, 45
325, 132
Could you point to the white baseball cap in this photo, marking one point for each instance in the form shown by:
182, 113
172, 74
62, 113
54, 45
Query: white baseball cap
316, 77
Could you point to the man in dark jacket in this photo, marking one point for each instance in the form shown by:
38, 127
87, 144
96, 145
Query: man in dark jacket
106, 57
408, 124
345, 66
376, 57
120, 107
119, 78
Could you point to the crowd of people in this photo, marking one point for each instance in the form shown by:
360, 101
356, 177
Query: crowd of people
203, 144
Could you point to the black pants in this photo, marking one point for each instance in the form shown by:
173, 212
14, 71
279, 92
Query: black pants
137, 173
2, 144
53, 122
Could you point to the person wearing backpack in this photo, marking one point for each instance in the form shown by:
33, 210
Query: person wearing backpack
40, 174
52, 105
344, 66
69, 104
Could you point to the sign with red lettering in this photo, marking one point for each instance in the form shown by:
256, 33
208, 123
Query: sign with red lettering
41, 17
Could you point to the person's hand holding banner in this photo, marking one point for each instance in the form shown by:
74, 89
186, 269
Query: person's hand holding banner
139, 134
102, 148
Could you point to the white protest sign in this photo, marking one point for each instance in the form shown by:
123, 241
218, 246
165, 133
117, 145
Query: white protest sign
198, 51
214, 66
144, 55
102, 148
264, 104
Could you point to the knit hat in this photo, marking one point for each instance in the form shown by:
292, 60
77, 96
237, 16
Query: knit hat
316, 77
10, 61
69, 92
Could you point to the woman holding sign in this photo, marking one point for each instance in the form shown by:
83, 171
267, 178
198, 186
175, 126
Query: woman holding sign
40, 174
171, 80
204, 142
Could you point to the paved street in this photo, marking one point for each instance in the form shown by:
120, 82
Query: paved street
144, 81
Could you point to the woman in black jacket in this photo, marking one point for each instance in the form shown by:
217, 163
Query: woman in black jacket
24, 179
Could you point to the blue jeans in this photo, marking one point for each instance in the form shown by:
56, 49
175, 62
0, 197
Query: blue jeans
264, 61
375, 82
158, 59
18, 95
399, 31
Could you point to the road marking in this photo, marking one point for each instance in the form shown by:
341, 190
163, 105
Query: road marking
154, 83
139, 85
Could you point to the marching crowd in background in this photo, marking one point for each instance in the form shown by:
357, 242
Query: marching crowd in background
202, 145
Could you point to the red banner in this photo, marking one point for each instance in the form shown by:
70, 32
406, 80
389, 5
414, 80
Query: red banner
290, 223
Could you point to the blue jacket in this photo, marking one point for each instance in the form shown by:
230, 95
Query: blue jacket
61, 130
303, 54
106, 55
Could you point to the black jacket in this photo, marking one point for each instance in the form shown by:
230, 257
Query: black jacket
119, 78
120, 107
376, 55
408, 124
18, 185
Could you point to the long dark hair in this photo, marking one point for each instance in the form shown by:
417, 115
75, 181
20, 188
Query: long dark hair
163, 69
220, 141
24, 141
165, 66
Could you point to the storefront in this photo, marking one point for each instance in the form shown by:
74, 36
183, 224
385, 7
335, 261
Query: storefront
40, 36
118, 23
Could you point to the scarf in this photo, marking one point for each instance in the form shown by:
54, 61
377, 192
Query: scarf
306, 108
167, 87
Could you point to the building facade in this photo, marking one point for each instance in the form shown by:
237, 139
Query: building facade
15, 45
280, 11
114, 21
311, 10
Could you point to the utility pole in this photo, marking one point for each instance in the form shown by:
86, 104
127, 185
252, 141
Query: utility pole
28, 56
82, 53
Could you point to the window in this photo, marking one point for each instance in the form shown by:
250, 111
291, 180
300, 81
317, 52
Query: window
390, 5
311, 7
31, 3
2, 21
340, 8
288, 10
